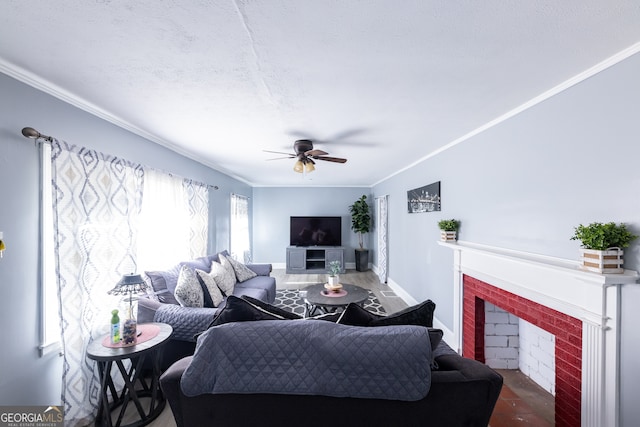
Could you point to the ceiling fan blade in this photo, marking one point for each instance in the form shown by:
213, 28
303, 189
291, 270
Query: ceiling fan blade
314, 153
280, 152
331, 159
280, 158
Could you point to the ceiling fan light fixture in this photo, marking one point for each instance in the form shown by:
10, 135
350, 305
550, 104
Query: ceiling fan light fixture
308, 167
298, 167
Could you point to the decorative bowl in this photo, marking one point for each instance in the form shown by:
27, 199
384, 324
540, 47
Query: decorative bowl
333, 288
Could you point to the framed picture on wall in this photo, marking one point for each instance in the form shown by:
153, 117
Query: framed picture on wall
424, 199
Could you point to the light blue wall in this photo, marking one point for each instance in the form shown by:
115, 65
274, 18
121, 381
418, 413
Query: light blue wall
524, 185
274, 205
25, 378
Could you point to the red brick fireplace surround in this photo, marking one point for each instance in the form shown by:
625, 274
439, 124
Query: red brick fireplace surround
579, 307
567, 330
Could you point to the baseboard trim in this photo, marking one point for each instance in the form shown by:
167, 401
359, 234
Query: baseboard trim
408, 299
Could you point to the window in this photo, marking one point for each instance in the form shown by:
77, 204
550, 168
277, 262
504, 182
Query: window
50, 319
239, 246
163, 233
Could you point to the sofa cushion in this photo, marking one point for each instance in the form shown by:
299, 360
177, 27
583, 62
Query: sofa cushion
239, 310
311, 358
188, 290
224, 276
242, 272
187, 322
210, 287
260, 294
267, 283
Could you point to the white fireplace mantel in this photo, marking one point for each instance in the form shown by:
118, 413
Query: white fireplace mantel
562, 285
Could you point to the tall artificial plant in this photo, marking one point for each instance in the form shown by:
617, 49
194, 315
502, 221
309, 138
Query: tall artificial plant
360, 218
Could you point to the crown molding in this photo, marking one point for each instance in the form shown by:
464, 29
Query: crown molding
49, 88
590, 72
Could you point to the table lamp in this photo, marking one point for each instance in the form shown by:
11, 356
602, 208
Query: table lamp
129, 284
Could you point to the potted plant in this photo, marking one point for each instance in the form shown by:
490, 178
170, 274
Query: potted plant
602, 246
361, 223
448, 229
334, 270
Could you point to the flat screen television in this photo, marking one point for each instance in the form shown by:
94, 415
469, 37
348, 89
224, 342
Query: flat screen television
316, 231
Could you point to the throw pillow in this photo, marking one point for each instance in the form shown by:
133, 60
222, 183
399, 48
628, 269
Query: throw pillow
188, 291
241, 271
271, 308
421, 314
240, 310
328, 317
355, 315
211, 287
158, 281
224, 276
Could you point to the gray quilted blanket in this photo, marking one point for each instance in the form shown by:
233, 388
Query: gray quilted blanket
311, 358
185, 321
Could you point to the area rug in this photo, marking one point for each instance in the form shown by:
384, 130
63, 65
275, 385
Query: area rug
290, 300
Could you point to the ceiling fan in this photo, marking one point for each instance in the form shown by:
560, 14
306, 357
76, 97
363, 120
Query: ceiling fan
306, 155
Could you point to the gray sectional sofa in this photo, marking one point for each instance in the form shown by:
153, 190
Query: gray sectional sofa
318, 373
187, 322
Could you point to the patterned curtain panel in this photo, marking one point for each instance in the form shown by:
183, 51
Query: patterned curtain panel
382, 204
96, 201
197, 199
240, 246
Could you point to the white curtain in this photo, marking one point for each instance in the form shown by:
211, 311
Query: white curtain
382, 220
240, 246
173, 222
96, 202
108, 215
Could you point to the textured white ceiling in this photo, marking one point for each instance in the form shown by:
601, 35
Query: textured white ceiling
383, 83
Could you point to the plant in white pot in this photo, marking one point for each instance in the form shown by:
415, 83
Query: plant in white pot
361, 223
448, 229
602, 246
334, 270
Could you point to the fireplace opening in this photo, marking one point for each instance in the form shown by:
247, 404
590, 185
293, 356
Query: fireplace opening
524, 355
513, 343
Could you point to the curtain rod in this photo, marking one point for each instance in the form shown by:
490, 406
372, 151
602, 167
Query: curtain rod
34, 134
31, 133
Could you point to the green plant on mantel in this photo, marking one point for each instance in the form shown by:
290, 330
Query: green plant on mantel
334, 268
601, 236
360, 218
449, 225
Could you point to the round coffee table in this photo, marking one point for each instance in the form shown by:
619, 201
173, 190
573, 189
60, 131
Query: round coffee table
317, 298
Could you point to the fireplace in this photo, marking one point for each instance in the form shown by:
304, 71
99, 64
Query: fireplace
579, 308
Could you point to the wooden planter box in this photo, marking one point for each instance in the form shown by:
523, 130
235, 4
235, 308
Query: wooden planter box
608, 261
448, 236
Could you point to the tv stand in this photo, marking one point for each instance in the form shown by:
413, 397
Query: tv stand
313, 259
